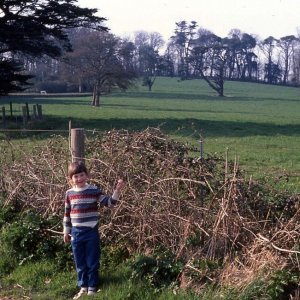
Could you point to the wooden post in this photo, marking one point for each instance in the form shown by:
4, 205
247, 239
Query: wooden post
34, 116
3, 116
201, 149
11, 111
27, 110
77, 144
201, 177
39, 111
24, 112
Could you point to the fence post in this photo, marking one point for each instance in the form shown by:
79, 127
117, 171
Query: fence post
201, 177
11, 110
201, 149
27, 110
3, 116
24, 112
34, 116
77, 144
39, 111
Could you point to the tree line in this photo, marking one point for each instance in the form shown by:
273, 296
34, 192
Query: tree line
58, 47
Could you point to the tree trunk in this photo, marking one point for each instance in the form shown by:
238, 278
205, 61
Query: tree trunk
93, 99
97, 100
96, 97
216, 84
286, 69
79, 86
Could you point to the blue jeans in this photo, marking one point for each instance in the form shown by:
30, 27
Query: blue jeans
86, 250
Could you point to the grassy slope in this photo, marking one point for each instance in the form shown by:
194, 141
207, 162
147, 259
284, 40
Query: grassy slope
258, 123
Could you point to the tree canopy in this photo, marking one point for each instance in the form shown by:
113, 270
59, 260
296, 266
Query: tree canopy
37, 28
11, 77
102, 59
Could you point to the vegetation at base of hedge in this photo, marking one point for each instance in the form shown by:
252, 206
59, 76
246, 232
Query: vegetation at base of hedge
25, 249
25, 237
159, 273
43, 280
113, 255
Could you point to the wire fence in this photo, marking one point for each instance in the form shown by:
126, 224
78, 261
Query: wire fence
90, 132
285, 168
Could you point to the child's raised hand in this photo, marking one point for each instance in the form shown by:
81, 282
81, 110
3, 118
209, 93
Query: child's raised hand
120, 185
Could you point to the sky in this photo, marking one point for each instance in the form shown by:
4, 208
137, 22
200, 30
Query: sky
262, 18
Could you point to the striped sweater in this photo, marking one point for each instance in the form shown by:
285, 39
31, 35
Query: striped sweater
81, 206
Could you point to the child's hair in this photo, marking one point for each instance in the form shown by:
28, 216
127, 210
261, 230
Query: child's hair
76, 167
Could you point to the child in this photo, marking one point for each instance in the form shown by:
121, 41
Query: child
81, 219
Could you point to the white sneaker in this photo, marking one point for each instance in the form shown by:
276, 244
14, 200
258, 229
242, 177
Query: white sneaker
83, 291
91, 292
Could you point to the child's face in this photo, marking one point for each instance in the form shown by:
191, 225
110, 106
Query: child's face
79, 179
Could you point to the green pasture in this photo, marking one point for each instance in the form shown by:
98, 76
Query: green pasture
257, 124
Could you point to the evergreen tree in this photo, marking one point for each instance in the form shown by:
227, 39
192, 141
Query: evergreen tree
11, 77
37, 28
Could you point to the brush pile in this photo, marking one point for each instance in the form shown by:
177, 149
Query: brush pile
194, 208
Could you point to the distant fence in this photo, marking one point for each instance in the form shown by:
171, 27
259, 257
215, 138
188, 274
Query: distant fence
24, 116
77, 138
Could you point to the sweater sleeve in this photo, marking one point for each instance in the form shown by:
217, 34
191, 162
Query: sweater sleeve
67, 219
109, 201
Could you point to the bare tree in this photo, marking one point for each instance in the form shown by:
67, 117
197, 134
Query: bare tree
287, 46
99, 58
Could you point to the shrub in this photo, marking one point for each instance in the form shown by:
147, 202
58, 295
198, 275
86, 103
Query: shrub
282, 283
26, 238
112, 256
157, 272
7, 214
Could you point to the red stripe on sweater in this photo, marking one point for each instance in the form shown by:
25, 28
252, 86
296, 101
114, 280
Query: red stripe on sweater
84, 210
89, 196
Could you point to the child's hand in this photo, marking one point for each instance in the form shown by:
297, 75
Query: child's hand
67, 238
120, 185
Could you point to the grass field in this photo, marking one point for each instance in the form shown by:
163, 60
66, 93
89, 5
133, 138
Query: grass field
259, 124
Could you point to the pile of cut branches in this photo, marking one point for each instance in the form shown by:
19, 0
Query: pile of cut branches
195, 208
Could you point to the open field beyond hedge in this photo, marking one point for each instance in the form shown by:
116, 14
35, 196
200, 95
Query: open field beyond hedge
259, 124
